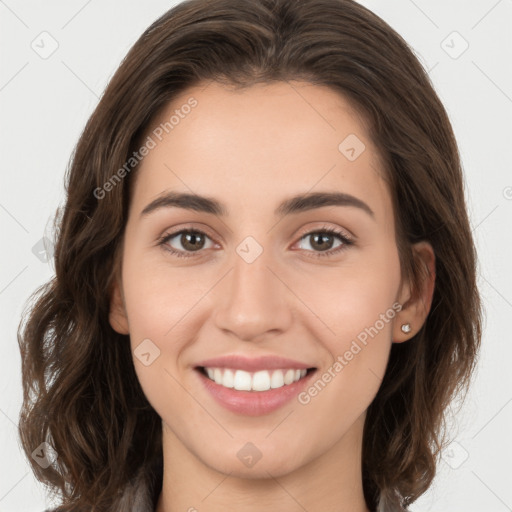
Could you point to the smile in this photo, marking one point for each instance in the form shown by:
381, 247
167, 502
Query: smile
253, 393
262, 380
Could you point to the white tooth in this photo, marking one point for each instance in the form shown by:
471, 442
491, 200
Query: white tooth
277, 380
228, 379
289, 376
258, 381
261, 381
242, 381
217, 375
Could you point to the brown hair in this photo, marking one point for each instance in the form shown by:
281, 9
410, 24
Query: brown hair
81, 393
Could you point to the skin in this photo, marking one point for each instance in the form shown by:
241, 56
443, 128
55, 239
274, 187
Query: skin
250, 150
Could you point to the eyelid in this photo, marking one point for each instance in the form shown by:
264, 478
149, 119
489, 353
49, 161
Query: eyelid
326, 227
344, 235
192, 226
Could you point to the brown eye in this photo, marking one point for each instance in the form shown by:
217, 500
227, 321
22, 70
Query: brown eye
321, 241
192, 241
324, 240
185, 241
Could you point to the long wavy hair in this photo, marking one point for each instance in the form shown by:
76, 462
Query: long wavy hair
81, 392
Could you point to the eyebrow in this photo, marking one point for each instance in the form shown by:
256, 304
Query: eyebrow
295, 204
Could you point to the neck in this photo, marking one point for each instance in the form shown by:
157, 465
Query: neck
332, 482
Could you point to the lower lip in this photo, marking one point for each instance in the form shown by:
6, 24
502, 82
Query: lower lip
254, 403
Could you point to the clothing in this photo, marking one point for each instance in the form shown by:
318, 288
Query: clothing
142, 493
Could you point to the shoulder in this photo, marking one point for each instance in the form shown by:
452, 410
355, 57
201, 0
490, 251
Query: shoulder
141, 493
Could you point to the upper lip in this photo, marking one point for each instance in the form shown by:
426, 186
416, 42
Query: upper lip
252, 364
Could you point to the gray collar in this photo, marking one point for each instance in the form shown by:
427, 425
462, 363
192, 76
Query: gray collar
141, 494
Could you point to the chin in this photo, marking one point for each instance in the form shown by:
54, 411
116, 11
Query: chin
261, 470
250, 462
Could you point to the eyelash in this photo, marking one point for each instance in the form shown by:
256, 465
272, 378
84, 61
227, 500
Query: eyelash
318, 254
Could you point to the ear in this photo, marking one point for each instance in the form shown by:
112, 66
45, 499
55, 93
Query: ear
117, 317
416, 301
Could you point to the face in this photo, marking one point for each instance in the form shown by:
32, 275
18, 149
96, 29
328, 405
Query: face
261, 281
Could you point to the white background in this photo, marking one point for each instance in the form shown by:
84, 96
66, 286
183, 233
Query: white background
44, 106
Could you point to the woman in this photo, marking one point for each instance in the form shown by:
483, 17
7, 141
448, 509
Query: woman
265, 291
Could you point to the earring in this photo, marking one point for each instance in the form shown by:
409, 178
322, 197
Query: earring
406, 328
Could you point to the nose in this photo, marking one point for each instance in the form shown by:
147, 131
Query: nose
253, 301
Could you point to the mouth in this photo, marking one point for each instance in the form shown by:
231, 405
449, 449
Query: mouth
253, 393
259, 381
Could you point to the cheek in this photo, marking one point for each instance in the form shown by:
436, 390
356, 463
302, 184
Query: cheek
164, 305
159, 297
159, 303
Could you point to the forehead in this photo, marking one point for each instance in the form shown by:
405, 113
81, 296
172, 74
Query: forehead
259, 144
